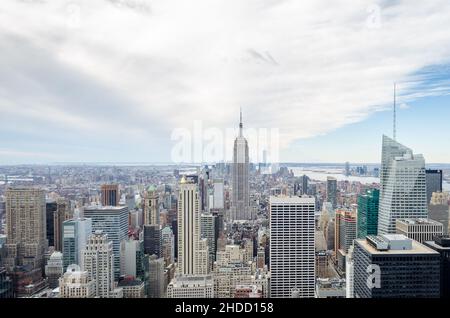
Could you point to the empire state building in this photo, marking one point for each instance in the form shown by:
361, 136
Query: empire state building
240, 209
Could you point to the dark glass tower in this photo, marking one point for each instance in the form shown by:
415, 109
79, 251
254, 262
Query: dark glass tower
368, 213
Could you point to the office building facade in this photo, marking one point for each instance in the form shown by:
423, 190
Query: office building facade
113, 221
292, 250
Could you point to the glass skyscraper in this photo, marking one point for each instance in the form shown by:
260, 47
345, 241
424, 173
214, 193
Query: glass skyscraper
403, 186
113, 221
368, 213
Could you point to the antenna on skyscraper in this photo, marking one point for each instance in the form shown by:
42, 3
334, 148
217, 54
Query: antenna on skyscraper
395, 112
240, 122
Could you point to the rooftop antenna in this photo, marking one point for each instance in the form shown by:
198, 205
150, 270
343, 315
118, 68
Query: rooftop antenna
395, 112
240, 122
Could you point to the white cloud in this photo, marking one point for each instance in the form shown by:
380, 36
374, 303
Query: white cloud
306, 67
404, 106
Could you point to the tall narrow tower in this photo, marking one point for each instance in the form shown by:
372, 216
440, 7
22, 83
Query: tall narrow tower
189, 262
26, 227
241, 200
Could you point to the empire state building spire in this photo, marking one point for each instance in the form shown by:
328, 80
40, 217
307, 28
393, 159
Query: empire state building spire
240, 123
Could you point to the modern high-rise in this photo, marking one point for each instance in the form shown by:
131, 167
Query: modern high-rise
368, 213
439, 209
332, 191
403, 191
434, 182
110, 194
304, 184
349, 274
75, 235
151, 207
152, 240
112, 220
132, 258
156, 277
76, 283
441, 244
61, 214
189, 220
208, 231
168, 245
25, 227
98, 261
420, 230
50, 208
292, 251
240, 209
218, 201
345, 234
394, 266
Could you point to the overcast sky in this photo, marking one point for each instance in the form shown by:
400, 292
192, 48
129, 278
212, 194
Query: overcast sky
110, 80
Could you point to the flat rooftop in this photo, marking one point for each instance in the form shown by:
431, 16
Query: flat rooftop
104, 208
417, 248
291, 199
418, 221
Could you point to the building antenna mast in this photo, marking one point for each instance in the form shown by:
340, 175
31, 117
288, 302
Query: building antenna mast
395, 112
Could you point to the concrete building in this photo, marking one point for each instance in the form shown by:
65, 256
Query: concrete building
228, 276
394, 266
420, 230
76, 283
62, 213
98, 261
110, 195
113, 221
330, 288
218, 194
349, 274
439, 209
54, 269
132, 258
261, 258
157, 284
151, 207
190, 260
191, 286
168, 245
25, 228
292, 246
433, 182
345, 229
261, 278
132, 288
247, 291
322, 264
